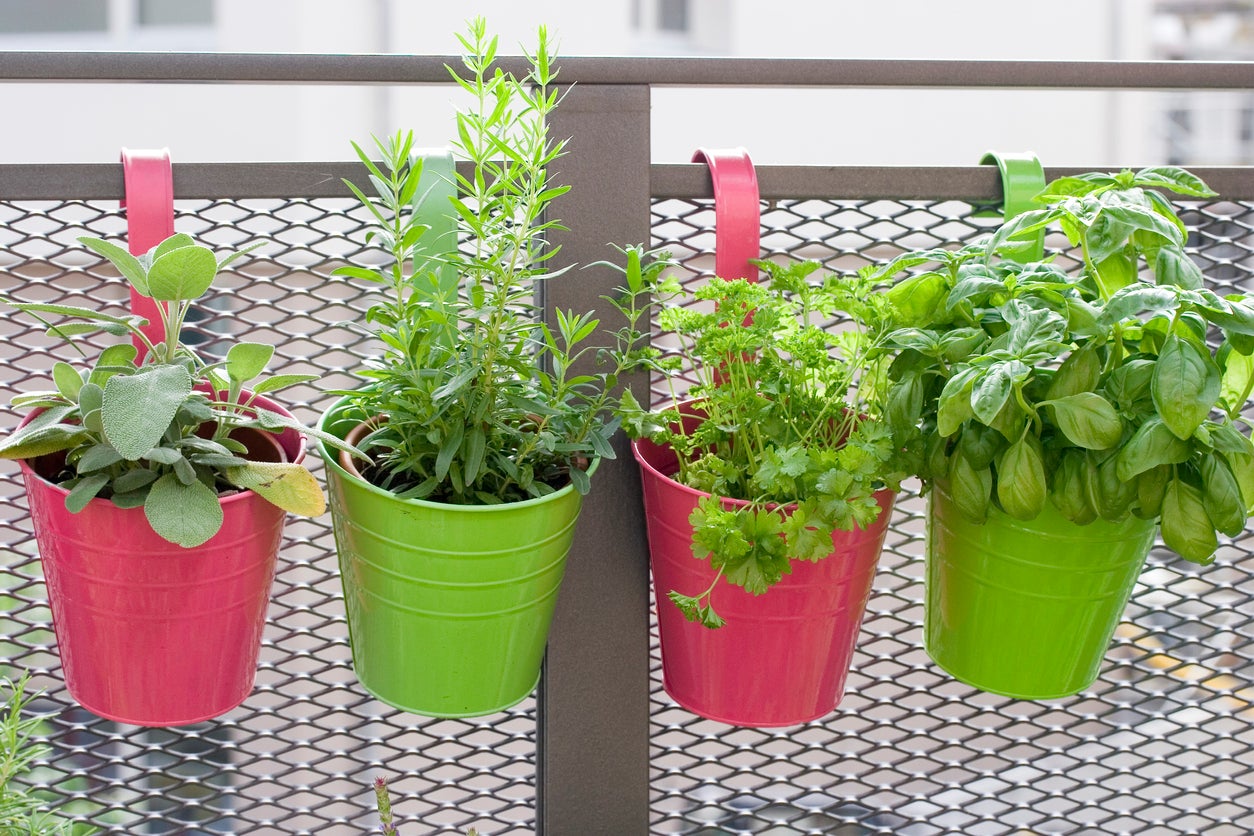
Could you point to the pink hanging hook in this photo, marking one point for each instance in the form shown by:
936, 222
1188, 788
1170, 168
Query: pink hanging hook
149, 206
737, 211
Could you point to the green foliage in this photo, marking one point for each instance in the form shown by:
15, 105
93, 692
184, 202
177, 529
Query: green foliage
21, 812
157, 433
482, 402
785, 415
1096, 390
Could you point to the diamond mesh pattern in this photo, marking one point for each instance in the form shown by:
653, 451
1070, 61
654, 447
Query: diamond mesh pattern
299, 755
1159, 744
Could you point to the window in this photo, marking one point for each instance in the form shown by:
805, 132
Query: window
37, 16
175, 12
672, 15
660, 15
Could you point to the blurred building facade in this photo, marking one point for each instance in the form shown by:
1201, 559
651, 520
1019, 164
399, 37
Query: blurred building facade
88, 123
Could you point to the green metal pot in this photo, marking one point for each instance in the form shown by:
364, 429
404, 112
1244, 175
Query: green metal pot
448, 605
1026, 609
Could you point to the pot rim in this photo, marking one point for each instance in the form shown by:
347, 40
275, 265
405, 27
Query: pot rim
727, 501
223, 499
332, 460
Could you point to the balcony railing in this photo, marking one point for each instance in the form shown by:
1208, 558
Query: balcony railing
1160, 744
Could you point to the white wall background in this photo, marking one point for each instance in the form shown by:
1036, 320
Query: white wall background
89, 123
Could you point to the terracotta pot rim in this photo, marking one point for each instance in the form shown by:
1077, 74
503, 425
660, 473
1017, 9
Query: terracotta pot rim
346, 459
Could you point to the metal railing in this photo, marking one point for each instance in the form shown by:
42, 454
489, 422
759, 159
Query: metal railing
1161, 744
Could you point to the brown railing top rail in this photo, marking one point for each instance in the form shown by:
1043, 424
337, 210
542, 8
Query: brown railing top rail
255, 68
103, 181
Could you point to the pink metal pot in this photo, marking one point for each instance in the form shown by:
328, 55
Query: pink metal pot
150, 633
782, 657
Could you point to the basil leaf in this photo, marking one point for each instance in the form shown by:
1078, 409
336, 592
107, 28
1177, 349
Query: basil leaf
1078, 373
1088, 420
971, 488
1021, 479
1151, 445
1186, 529
1185, 386
1150, 488
1070, 493
954, 405
995, 387
1221, 496
1114, 495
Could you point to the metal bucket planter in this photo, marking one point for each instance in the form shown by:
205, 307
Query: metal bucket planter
1027, 609
448, 605
782, 658
148, 632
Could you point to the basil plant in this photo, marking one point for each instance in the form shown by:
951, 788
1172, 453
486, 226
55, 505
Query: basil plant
1111, 389
157, 432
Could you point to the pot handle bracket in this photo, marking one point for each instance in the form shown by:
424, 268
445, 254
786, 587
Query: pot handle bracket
433, 206
1022, 178
149, 207
737, 211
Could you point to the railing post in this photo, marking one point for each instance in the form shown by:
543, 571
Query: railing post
593, 748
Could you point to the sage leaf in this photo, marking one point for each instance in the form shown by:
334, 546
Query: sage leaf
1088, 420
43, 434
1185, 386
175, 242
280, 381
289, 486
244, 361
67, 379
137, 409
1186, 528
186, 515
85, 491
131, 499
127, 264
182, 274
133, 480
97, 457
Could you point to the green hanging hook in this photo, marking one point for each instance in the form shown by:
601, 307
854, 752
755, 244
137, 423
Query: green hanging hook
1022, 178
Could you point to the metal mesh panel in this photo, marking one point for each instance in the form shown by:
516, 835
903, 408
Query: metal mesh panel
1159, 744
298, 756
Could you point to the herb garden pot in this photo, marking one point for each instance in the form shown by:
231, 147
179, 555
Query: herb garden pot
1026, 609
782, 657
448, 605
151, 633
